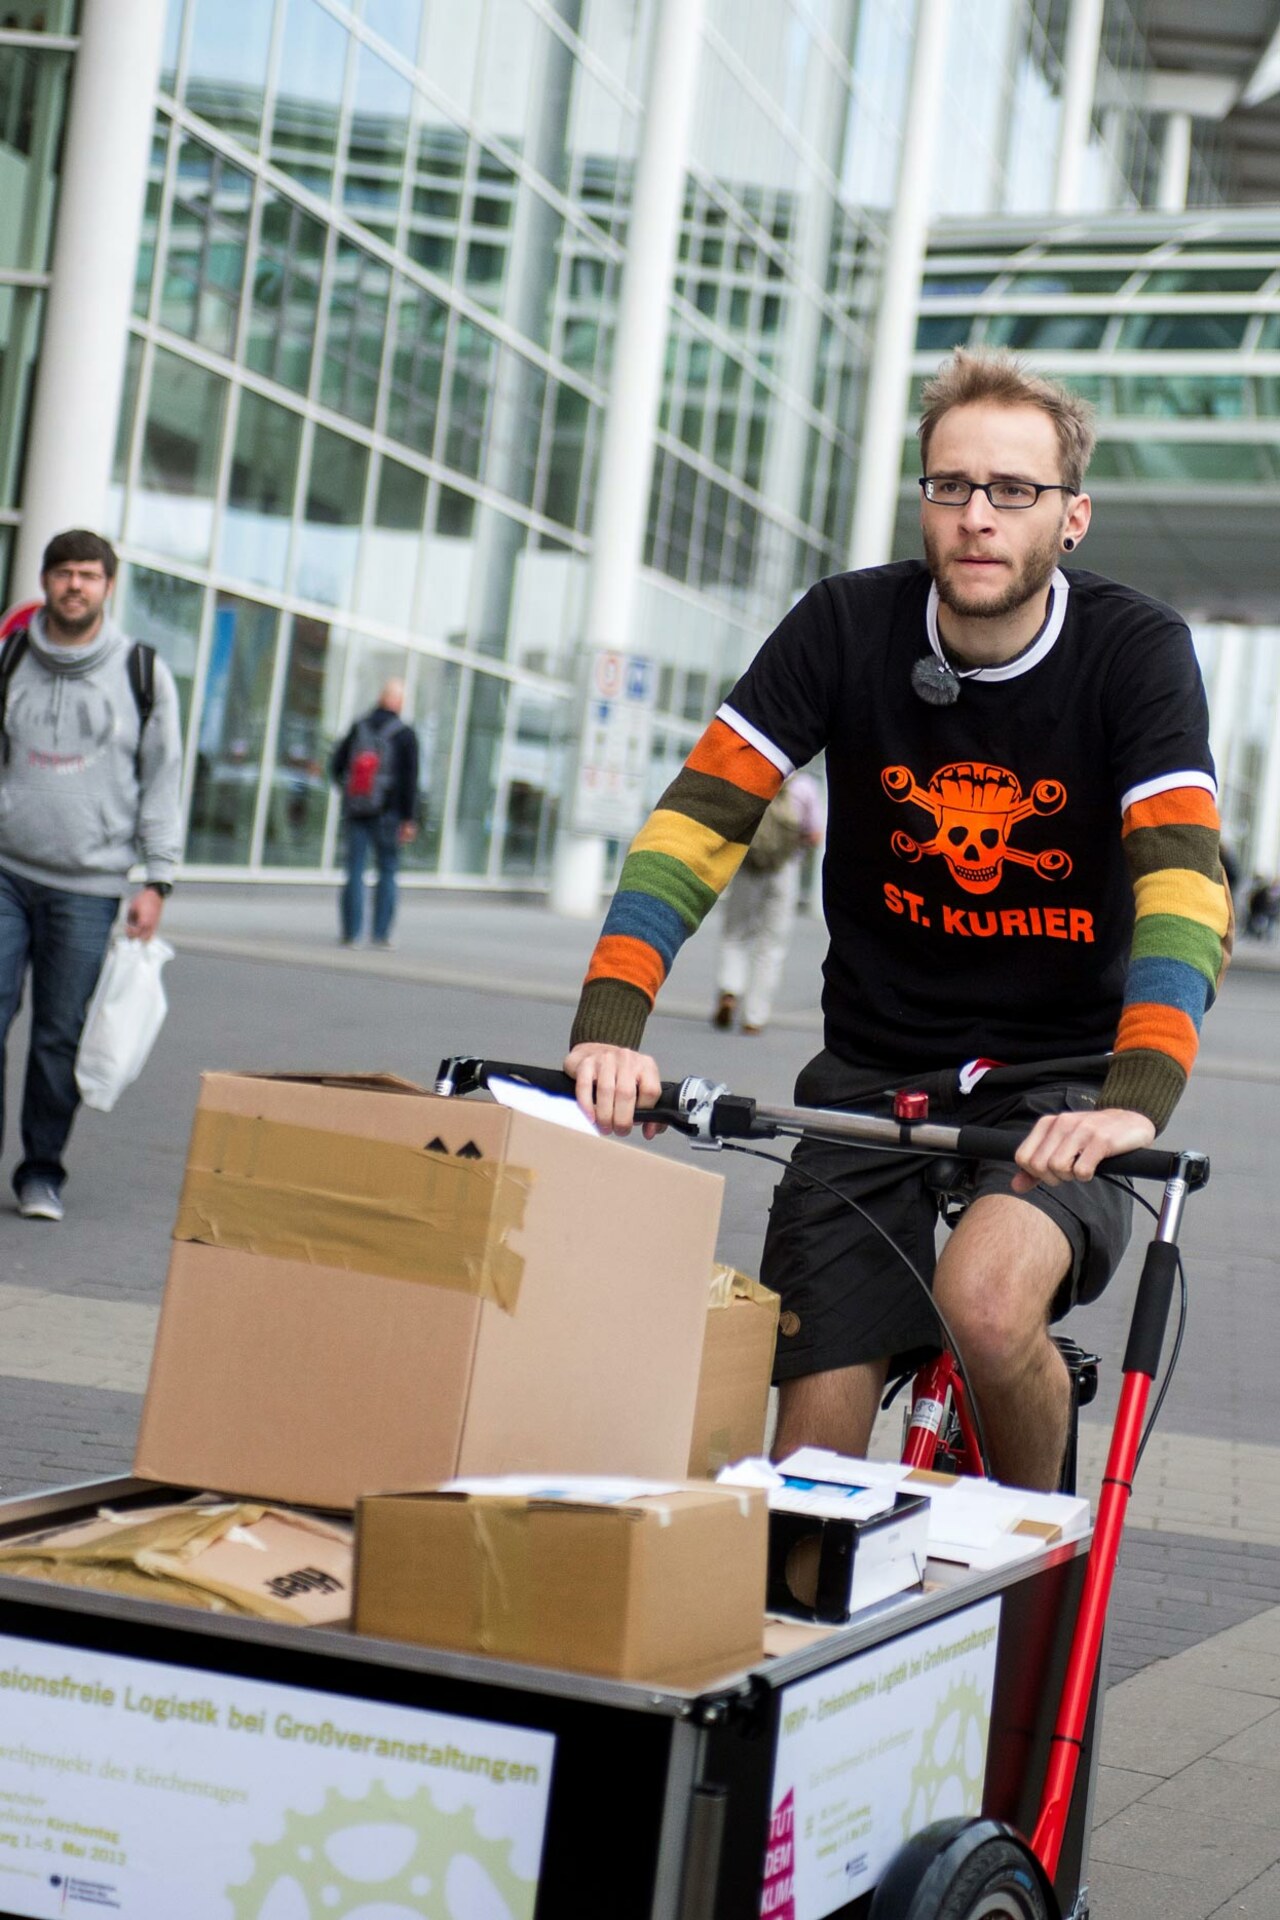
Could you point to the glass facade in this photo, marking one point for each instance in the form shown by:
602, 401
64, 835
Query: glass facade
373, 342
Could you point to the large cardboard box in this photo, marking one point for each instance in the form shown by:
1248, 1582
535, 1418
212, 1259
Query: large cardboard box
372, 1288
665, 1587
737, 1366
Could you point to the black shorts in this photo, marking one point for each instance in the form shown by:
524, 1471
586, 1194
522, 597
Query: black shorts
847, 1296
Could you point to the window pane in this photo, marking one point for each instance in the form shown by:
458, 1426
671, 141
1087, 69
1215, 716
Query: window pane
171, 507
172, 42
1173, 332
21, 312
330, 539
1208, 280
146, 263
1185, 396
298, 804
1046, 329
397, 21
568, 446
448, 562
304, 134
264, 470
392, 545
468, 416
124, 436
377, 145
355, 333
477, 785
165, 612
939, 333
204, 260
286, 293
413, 400
232, 724
33, 99
435, 206
227, 65
1226, 463
433, 706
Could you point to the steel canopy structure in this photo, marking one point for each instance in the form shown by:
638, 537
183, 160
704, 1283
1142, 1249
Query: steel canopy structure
1170, 325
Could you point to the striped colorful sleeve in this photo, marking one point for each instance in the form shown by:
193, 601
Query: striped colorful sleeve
1181, 940
679, 864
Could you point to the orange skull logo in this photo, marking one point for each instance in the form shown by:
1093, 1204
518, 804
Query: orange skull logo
974, 808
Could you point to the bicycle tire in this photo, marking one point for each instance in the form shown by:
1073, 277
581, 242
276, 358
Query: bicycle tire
965, 1870
995, 1884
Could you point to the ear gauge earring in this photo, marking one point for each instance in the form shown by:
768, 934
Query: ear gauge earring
1068, 545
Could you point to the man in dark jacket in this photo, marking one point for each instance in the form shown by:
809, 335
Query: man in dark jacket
376, 765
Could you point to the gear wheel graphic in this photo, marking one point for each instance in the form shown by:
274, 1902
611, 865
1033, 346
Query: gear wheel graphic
947, 1778
379, 1854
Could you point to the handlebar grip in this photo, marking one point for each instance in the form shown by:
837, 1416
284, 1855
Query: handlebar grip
552, 1080
1144, 1163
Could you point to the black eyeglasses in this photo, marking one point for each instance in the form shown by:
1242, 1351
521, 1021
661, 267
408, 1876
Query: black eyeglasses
1005, 495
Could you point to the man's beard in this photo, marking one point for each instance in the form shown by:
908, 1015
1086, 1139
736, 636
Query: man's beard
74, 623
1029, 580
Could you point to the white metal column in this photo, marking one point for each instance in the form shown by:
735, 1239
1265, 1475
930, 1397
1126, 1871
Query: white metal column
627, 450
876, 506
86, 322
1175, 163
1265, 857
1079, 74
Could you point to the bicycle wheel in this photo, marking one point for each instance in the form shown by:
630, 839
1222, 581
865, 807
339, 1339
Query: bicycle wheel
965, 1870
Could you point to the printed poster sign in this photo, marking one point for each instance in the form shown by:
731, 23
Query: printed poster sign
613, 763
871, 1751
151, 1791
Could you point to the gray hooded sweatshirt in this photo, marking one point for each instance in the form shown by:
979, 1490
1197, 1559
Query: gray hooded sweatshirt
78, 806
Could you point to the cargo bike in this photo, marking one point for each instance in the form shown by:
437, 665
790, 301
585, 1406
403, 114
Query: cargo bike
647, 1802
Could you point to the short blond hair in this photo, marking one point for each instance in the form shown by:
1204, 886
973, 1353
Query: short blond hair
998, 379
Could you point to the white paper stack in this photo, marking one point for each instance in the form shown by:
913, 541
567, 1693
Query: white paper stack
972, 1523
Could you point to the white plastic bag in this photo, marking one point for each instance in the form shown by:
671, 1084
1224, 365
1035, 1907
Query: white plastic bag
125, 1015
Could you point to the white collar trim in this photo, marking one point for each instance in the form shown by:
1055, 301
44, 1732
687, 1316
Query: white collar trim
1059, 588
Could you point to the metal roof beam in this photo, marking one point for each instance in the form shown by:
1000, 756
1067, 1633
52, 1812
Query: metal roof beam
1264, 81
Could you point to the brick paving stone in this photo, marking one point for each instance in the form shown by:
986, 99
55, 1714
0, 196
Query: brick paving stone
1260, 1900
1219, 1855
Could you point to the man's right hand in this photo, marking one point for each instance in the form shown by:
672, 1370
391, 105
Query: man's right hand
612, 1082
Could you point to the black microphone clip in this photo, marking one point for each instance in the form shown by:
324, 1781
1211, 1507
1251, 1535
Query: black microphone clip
934, 682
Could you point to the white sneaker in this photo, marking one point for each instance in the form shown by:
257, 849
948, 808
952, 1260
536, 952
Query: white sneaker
39, 1200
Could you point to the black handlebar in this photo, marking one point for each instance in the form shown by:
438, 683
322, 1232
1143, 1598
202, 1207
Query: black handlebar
711, 1114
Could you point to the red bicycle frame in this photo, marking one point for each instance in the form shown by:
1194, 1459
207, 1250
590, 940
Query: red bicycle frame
933, 1384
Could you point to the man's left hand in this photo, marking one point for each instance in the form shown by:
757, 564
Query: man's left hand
408, 832
1068, 1146
143, 916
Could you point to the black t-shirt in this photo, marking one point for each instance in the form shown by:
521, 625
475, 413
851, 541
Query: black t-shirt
974, 883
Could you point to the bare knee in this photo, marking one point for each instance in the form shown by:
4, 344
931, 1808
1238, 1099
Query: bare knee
998, 1327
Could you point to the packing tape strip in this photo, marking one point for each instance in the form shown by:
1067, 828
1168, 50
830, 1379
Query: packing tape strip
342, 1200
505, 1597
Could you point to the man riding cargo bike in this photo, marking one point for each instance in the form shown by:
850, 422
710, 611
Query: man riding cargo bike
1026, 910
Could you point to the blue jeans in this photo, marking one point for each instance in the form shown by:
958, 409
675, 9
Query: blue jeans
63, 937
381, 837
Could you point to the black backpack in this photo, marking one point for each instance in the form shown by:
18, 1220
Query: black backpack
370, 776
142, 682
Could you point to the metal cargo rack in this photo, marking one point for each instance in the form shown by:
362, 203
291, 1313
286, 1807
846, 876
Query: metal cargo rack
661, 1799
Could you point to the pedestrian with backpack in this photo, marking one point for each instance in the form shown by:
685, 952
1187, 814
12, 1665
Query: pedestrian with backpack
760, 906
376, 766
90, 779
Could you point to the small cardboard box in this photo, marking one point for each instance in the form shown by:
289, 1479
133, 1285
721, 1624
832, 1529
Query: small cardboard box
825, 1569
371, 1287
664, 1587
737, 1365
